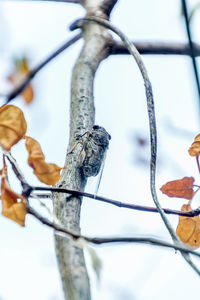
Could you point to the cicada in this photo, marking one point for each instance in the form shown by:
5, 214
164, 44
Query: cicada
94, 146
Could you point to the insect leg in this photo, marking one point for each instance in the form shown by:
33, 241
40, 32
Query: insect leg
74, 147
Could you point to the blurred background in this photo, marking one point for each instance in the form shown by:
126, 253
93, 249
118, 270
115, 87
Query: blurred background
28, 268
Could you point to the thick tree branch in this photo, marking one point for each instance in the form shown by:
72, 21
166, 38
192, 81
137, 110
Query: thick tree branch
156, 48
43, 63
82, 114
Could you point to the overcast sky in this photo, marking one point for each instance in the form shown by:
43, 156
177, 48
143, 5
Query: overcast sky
27, 259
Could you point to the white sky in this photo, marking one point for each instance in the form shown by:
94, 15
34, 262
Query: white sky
27, 260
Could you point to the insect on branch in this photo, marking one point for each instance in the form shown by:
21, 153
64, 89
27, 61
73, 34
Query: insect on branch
152, 122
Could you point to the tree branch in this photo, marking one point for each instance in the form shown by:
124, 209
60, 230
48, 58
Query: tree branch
116, 48
75, 236
82, 115
189, 34
43, 63
152, 123
106, 240
156, 48
190, 213
77, 193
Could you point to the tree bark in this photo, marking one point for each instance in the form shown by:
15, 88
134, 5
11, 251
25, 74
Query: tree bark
155, 48
82, 115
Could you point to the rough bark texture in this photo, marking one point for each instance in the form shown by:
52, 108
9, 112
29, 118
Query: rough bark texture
67, 209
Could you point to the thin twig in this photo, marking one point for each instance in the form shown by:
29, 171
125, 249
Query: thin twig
16, 169
156, 48
106, 240
152, 122
189, 34
35, 70
191, 213
197, 159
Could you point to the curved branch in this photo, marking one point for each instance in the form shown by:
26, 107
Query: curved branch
152, 123
156, 48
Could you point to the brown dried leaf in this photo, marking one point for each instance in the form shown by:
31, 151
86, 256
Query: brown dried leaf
188, 229
12, 126
182, 188
12, 208
21, 70
45, 172
195, 147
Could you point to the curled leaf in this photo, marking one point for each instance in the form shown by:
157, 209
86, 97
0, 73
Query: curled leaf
21, 70
12, 126
46, 172
182, 188
188, 229
13, 204
195, 147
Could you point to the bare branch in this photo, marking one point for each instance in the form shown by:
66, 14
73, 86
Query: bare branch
152, 123
35, 70
106, 240
189, 34
156, 48
16, 169
150, 105
191, 213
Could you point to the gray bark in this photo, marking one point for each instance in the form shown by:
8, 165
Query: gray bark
82, 115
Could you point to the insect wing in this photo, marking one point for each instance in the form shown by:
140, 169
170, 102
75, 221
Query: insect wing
99, 177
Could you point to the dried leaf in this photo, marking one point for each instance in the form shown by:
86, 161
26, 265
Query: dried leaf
195, 147
46, 172
188, 229
18, 75
182, 188
12, 208
12, 126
